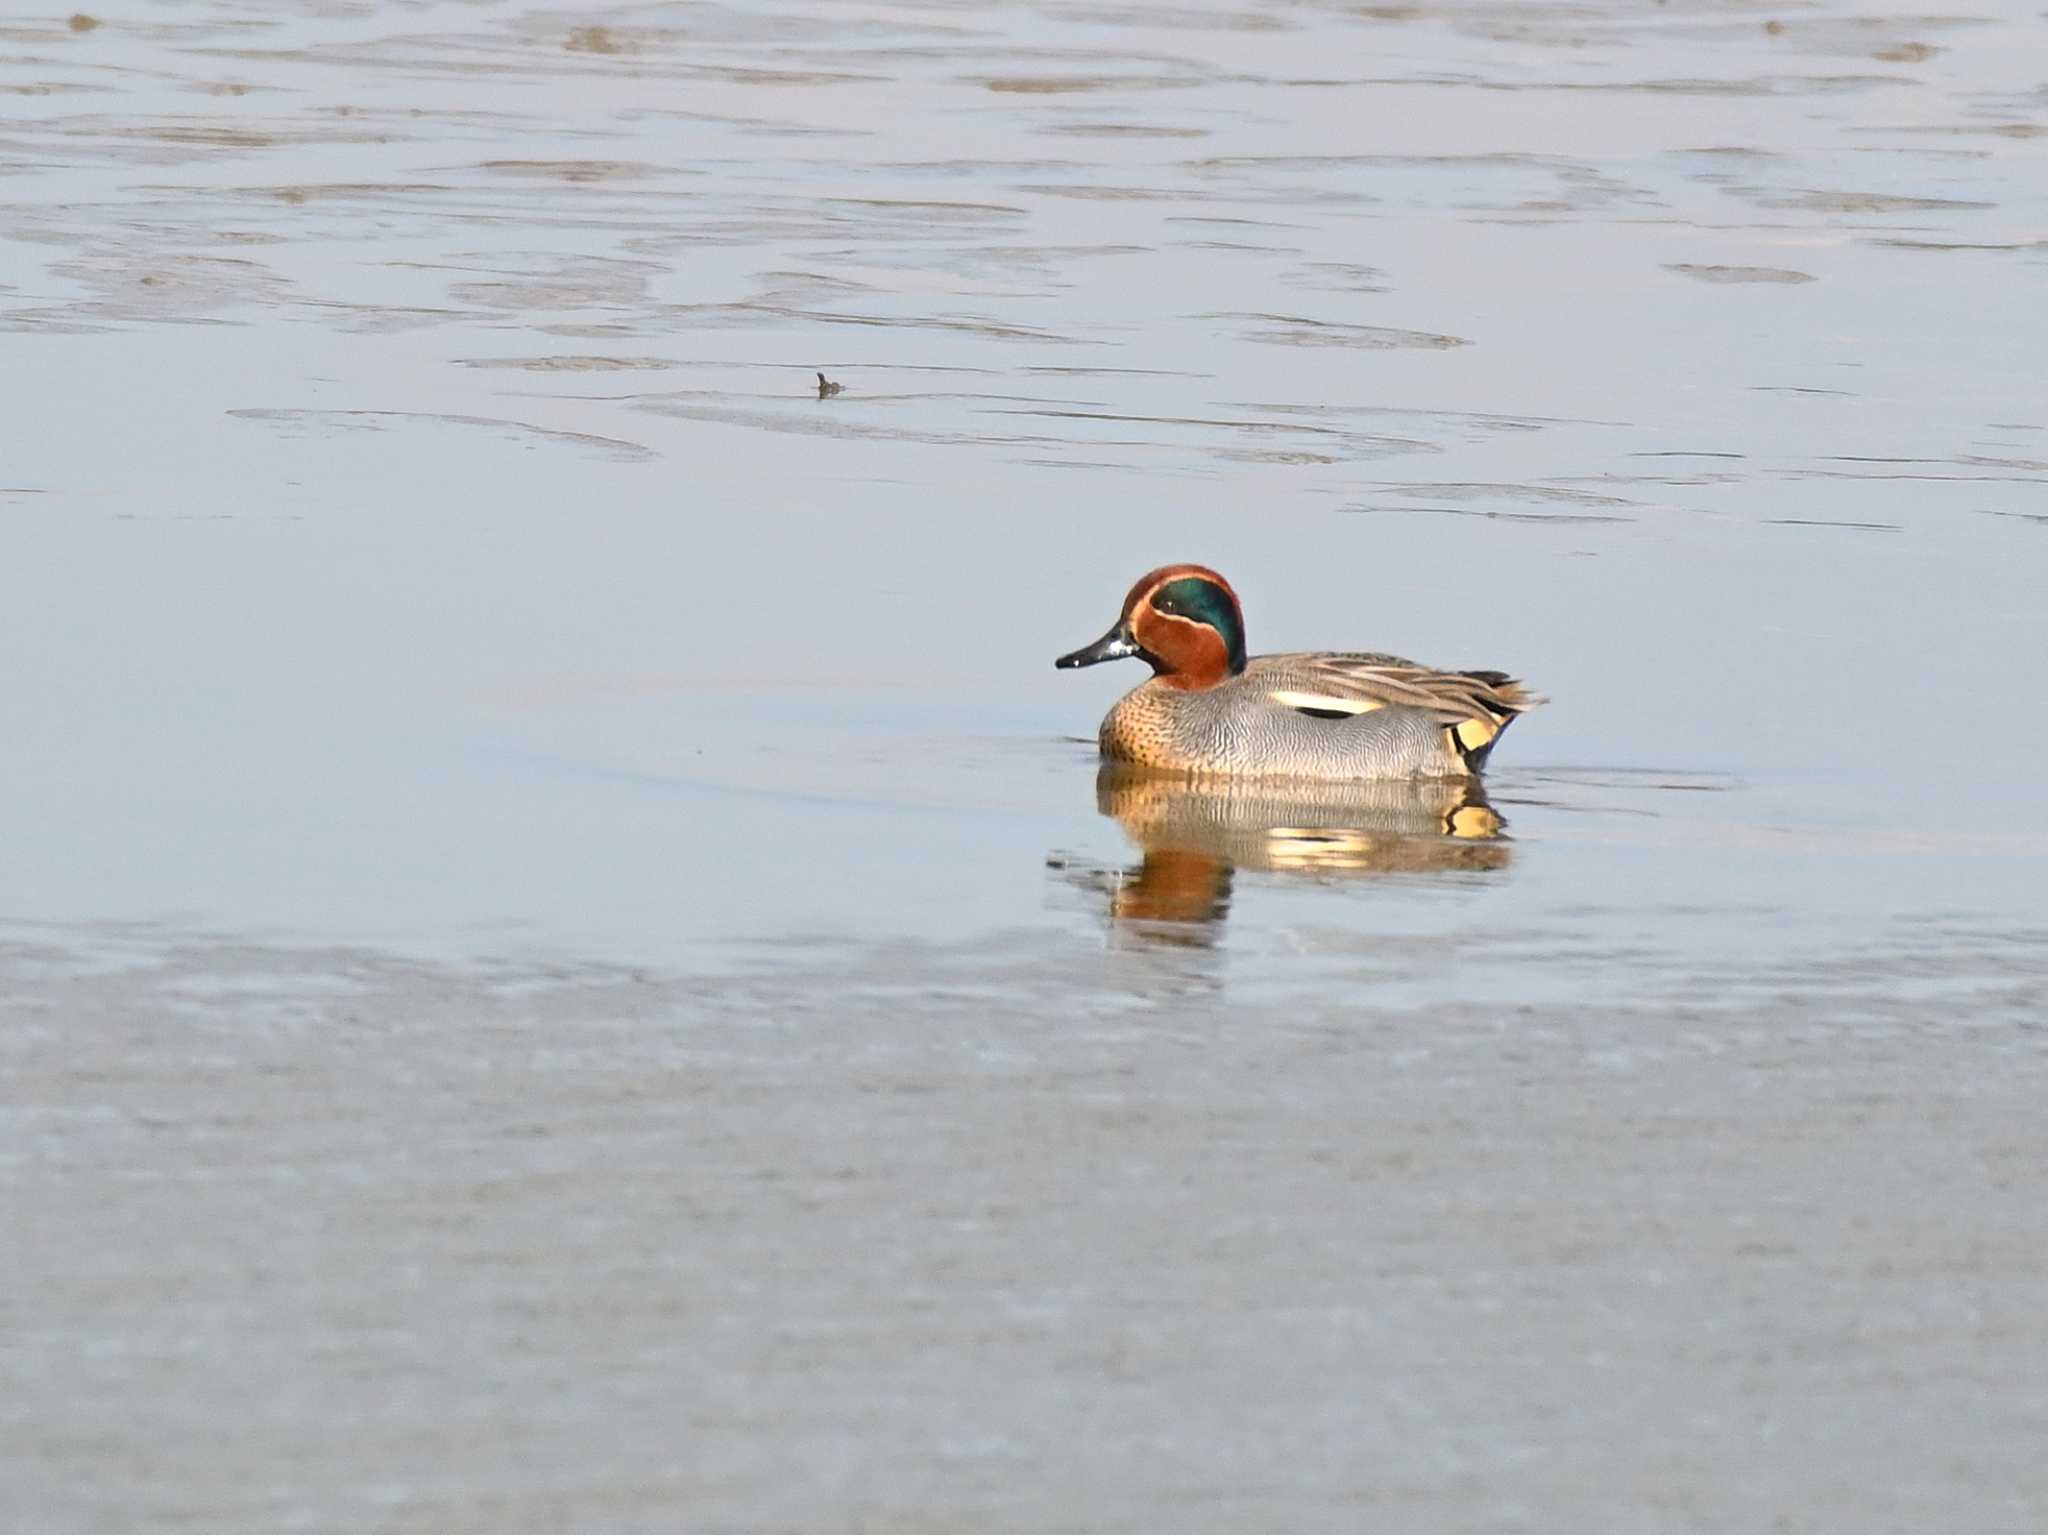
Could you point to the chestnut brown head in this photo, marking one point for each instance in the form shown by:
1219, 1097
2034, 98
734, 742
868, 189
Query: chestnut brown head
1181, 620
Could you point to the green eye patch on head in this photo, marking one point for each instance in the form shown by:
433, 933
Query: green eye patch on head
1205, 602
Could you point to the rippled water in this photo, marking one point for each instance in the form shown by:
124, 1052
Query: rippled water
565, 959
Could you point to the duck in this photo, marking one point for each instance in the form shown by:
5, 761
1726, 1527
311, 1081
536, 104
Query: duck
1211, 710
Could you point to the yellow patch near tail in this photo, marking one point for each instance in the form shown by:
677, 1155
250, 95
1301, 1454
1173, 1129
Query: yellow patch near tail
1326, 701
1473, 734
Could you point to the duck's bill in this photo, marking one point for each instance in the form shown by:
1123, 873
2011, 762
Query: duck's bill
1113, 646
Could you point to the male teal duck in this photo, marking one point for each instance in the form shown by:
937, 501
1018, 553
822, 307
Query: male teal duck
1209, 709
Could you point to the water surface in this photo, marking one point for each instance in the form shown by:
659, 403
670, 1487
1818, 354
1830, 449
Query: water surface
565, 960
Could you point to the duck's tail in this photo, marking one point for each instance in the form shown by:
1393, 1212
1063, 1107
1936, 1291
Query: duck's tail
1498, 700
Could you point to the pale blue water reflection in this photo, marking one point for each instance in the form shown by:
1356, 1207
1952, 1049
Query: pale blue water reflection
556, 909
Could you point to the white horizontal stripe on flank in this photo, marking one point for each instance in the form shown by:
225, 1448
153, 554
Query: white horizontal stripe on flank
1325, 701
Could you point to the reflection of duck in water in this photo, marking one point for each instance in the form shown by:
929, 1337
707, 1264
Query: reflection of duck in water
1211, 709
1196, 833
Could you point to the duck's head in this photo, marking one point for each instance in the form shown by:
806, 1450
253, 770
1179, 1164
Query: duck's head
1181, 620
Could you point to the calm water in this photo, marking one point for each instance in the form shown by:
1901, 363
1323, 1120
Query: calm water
563, 961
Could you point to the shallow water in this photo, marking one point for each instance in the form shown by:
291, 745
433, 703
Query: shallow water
564, 958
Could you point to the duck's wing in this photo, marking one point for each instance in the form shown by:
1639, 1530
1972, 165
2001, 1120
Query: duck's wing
1325, 683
